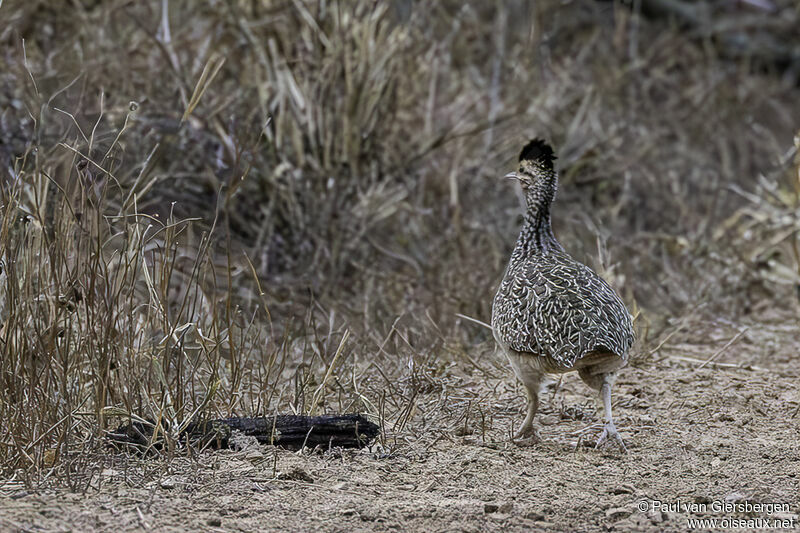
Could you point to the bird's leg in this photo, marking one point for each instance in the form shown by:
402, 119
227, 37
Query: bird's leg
527, 372
610, 430
527, 431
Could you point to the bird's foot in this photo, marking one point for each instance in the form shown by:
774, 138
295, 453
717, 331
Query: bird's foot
610, 434
526, 436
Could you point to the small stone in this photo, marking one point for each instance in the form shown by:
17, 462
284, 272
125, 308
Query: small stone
254, 456
489, 508
657, 517
735, 497
623, 489
168, 483
535, 516
505, 508
617, 513
214, 522
296, 474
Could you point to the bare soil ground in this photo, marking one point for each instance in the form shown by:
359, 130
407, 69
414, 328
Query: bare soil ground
695, 434
215, 207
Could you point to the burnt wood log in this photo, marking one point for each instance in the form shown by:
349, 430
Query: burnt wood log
289, 431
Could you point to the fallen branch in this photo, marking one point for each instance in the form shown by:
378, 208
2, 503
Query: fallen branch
742, 366
290, 431
728, 345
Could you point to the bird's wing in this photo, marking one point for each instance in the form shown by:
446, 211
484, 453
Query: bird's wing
561, 309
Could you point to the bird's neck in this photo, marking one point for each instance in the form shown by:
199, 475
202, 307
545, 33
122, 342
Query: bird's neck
536, 235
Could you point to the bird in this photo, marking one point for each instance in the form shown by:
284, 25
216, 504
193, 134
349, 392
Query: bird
552, 314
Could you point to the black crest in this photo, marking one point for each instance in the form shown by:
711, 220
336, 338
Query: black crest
538, 150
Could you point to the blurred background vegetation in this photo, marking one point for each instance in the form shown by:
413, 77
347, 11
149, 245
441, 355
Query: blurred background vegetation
252, 207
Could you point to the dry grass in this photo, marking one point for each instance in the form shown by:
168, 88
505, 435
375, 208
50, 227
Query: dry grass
258, 207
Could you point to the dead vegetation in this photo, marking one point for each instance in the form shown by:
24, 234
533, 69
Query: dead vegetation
250, 208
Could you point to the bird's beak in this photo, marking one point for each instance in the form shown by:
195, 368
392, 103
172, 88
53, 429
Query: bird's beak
512, 176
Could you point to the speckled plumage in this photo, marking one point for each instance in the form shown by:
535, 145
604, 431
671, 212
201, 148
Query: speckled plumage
550, 305
552, 313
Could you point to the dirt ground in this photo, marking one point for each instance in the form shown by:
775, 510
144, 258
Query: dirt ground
720, 434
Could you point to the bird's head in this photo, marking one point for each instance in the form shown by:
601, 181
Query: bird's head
536, 173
